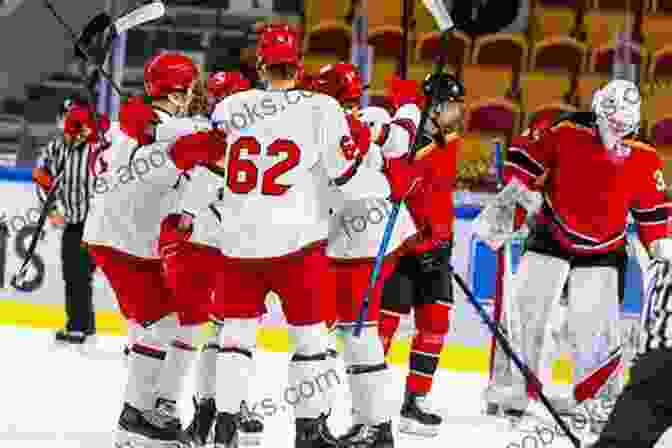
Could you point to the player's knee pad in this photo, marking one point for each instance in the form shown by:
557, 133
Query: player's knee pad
363, 350
433, 318
238, 333
310, 340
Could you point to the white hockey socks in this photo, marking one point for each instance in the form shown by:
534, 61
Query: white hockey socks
144, 365
368, 377
206, 369
179, 360
234, 366
308, 371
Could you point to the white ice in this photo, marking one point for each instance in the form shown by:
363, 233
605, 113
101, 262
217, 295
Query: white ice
60, 397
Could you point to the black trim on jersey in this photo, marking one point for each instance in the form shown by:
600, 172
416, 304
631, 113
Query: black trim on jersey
656, 215
215, 212
525, 163
217, 171
349, 173
548, 212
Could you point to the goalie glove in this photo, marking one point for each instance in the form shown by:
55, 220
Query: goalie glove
496, 223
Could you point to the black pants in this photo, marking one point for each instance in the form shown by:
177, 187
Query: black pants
77, 275
643, 411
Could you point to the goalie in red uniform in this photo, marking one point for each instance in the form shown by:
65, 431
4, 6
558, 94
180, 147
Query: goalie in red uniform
591, 178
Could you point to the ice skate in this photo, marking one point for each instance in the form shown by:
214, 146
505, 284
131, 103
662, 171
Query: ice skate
235, 430
368, 436
149, 429
200, 427
416, 419
314, 433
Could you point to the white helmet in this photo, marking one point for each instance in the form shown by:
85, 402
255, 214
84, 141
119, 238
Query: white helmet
617, 108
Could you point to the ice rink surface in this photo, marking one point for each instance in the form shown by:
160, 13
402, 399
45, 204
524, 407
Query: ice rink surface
55, 396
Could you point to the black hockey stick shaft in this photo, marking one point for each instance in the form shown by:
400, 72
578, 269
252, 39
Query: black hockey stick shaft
79, 48
530, 377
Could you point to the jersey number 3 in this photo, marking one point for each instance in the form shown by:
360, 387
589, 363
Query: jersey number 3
243, 175
660, 180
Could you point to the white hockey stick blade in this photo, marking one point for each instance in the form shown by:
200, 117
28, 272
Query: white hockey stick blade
437, 9
144, 14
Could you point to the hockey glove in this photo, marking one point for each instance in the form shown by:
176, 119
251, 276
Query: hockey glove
138, 120
361, 135
435, 258
81, 123
403, 176
200, 148
42, 178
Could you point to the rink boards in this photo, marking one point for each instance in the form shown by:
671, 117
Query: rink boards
41, 306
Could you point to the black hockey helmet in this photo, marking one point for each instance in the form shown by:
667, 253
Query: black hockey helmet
443, 87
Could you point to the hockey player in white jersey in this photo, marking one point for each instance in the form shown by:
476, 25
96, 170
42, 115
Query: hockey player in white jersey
355, 234
138, 185
284, 144
219, 86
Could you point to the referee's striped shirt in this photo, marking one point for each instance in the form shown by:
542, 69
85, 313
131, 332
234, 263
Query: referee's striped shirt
75, 187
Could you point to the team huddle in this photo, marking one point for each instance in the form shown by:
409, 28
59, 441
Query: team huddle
296, 203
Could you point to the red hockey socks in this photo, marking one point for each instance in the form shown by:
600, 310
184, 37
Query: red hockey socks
431, 323
387, 327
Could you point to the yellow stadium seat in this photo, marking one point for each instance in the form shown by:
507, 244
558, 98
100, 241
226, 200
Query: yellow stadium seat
383, 69
556, 21
587, 85
661, 65
657, 31
501, 49
317, 11
602, 58
386, 40
603, 27
483, 81
383, 13
542, 89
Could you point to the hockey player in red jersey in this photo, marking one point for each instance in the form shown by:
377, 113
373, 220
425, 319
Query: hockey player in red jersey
422, 280
591, 178
124, 236
223, 84
356, 229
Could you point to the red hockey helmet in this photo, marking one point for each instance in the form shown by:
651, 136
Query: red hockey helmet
278, 44
403, 91
223, 84
341, 81
169, 72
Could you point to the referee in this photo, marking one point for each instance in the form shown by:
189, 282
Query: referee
70, 211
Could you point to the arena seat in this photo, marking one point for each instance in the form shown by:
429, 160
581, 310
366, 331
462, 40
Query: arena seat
656, 31
493, 116
661, 132
483, 81
661, 64
386, 40
588, 83
330, 37
661, 6
383, 69
602, 59
316, 11
457, 52
542, 88
620, 5
503, 49
559, 53
557, 20
603, 27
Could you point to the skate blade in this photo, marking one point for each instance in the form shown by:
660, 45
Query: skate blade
410, 426
130, 440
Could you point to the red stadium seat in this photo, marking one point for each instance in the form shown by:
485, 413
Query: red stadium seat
457, 52
602, 59
559, 53
661, 64
493, 116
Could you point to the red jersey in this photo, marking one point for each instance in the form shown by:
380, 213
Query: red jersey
432, 205
588, 192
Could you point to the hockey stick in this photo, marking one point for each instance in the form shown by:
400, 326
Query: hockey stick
530, 377
127, 21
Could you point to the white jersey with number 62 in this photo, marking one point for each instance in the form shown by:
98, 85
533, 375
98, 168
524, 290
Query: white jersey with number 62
283, 147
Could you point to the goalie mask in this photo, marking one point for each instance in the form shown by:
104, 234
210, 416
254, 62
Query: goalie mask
617, 110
